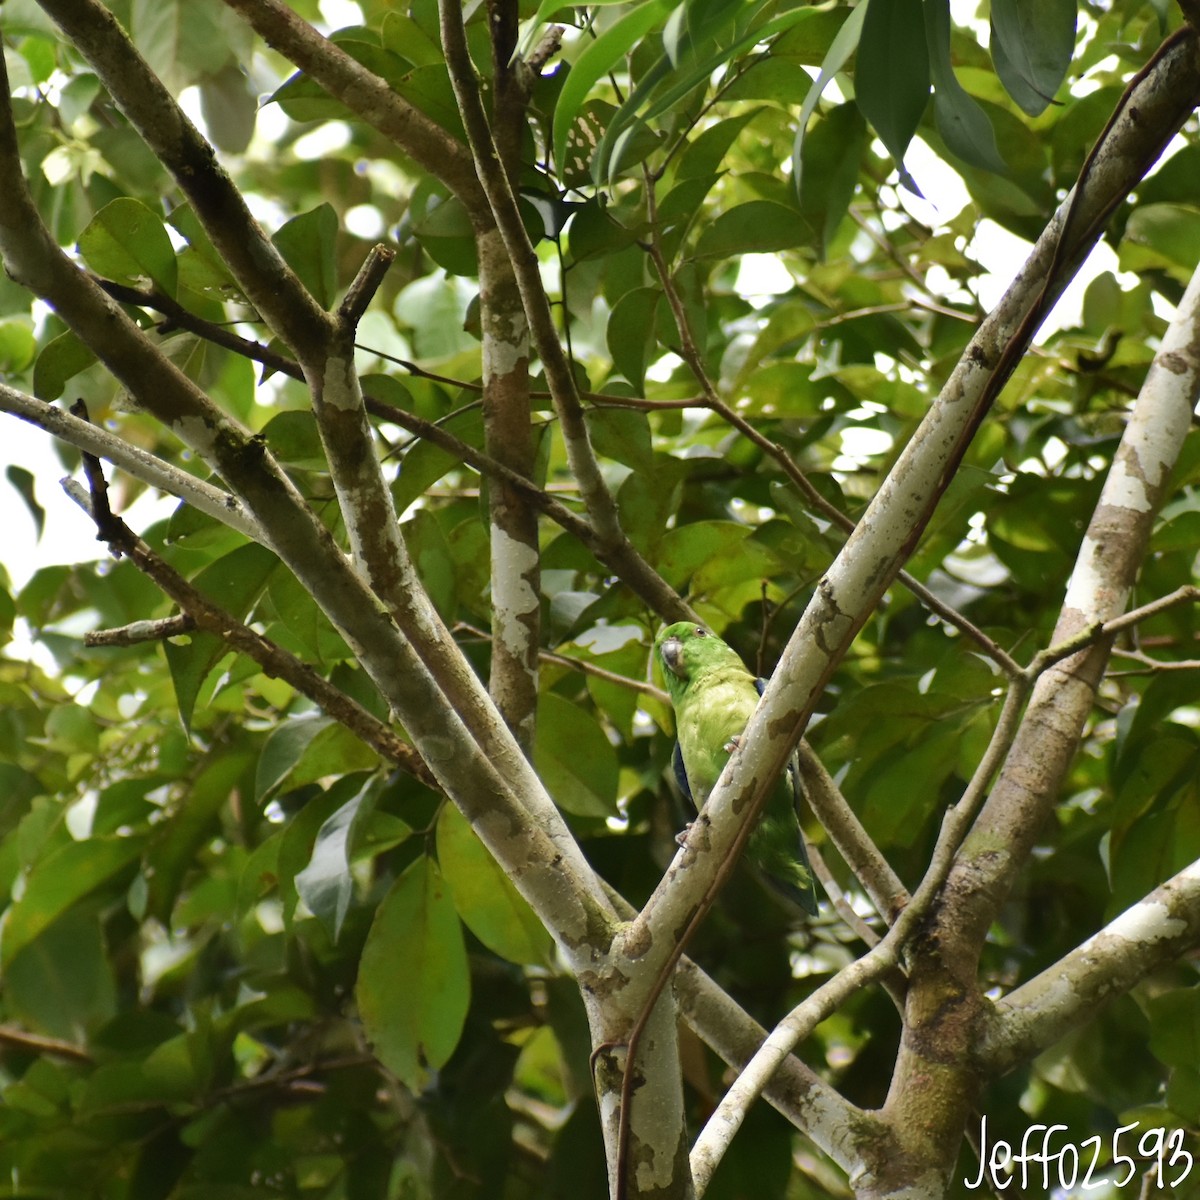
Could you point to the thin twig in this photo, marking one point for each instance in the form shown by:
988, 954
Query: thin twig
274, 660
581, 665
138, 632
846, 831
366, 284
35, 1043
690, 352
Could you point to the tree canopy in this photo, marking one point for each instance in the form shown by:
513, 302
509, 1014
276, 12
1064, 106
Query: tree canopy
338, 827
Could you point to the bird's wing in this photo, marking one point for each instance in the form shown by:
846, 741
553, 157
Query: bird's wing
806, 895
681, 778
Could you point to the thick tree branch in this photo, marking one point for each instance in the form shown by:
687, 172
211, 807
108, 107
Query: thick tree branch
1146, 937
879, 960
1106, 567
202, 613
497, 791
613, 558
896, 517
508, 432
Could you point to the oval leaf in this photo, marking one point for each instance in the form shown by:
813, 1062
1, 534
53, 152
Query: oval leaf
961, 121
326, 884
891, 72
413, 984
60, 880
307, 244
126, 241
575, 758
490, 907
1032, 43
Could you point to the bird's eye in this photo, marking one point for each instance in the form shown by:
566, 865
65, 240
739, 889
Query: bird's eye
700, 632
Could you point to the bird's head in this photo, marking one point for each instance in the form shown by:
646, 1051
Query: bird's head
685, 650
674, 646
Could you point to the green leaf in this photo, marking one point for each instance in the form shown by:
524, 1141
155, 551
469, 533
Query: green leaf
308, 245
689, 548
782, 389
184, 40
62, 982
1175, 1026
127, 242
23, 481
306, 749
698, 42
622, 434
706, 152
295, 439
62, 358
234, 582
190, 824
891, 72
301, 626
830, 159
59, 881
18, 347
755, 227
432, 557
413, 986
1032, 43
326, 884
1161, 235
229, 107
836, 57
961, 121
575, 759
486, 900
425, 463
598, 59
631, 333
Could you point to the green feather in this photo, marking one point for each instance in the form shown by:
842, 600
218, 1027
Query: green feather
714, 697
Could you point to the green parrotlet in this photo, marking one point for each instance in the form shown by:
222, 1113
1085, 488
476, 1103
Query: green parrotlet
714, 696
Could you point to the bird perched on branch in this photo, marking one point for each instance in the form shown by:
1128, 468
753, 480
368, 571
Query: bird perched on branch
714, 697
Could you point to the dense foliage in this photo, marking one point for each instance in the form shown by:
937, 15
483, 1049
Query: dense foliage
244, 954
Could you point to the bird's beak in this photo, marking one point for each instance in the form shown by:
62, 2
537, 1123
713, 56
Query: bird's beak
672, 656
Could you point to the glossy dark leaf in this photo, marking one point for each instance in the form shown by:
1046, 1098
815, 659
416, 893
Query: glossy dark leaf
1032, 43
891, 72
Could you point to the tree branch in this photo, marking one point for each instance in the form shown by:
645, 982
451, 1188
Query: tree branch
900, 510
498, 792
597, 499
201, 613
137, 632
846, 831
512, 515
1109, 557
34, 1043
1151, 934
220, 505
690, 352
878, 961
362, 291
